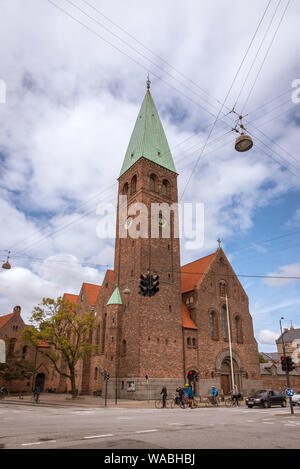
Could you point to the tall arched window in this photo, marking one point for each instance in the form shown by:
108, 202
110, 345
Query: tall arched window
238, 329
124, 347
133, 184
96, 373
165, 188
153, 183
214, 330
126, 189
224, 322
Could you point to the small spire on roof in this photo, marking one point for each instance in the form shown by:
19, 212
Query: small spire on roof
148, 82
219, 243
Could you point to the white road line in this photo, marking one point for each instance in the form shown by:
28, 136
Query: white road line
175, 423
146, 431
38, 442
98, 436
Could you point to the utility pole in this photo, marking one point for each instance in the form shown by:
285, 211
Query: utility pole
287, 370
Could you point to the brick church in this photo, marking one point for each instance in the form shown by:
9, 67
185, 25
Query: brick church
180, 334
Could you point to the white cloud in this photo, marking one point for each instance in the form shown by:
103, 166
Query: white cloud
265, 336
292, 271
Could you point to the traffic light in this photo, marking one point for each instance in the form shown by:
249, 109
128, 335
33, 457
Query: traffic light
144, 285
106, 375
154, 282
290, 364
283, 363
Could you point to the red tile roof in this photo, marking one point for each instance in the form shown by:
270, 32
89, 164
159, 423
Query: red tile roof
92, 292
191, 273
186, 318
70, 297
5, 319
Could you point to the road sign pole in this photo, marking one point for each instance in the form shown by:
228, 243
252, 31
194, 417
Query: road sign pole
286, 371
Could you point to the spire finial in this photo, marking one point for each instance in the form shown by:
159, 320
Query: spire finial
148, 82
219, 243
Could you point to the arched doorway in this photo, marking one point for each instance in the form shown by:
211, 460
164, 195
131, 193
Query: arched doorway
226, 375
40, 381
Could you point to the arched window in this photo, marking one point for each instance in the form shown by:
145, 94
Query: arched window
126, 189
124, 347
153, 183
224, 322
189, 341
165, 188
213, 320
96, 373
238, 329
24, 351
133, 184
194, 342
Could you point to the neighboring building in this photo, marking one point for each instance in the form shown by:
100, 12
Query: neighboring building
290, 341
11, 328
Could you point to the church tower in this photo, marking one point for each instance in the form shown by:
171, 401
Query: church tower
150, 328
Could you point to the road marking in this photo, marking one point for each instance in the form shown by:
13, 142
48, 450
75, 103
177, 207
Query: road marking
175, 423
146, 431
98, 436
38, 442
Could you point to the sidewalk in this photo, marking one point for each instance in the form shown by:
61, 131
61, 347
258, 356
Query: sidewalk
82, 401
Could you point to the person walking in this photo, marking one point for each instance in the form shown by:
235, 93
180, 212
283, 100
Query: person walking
36, 393
190, 395
164, 393
235, 395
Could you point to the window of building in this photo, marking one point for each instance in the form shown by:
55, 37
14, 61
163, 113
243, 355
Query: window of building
153, 183
96, 373
213, 320
133, 184
238, 330
224, 322
194, 342
188, 341
24, 351
124, 347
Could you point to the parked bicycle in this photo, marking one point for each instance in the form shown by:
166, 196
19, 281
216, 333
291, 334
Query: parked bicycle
232, 402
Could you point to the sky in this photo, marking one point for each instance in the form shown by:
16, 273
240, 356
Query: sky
74, 73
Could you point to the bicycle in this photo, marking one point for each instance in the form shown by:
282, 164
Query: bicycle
230, 402
211, 402
177, 402
159, 403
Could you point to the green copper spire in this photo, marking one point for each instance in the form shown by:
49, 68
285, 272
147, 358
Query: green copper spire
115, 298
148, 138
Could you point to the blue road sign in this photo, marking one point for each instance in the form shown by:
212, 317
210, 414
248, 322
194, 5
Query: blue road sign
289, 392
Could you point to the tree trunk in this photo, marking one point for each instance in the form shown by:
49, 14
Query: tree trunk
73, 384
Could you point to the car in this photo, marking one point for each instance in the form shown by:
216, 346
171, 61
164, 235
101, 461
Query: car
296, 398
266, 398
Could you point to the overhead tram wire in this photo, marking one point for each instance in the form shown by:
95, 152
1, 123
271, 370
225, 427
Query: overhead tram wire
258, 51
228, 93
133, 59
266, 55
92, 31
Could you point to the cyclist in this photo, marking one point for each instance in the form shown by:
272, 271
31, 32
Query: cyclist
214, 395
36, 393
164, 393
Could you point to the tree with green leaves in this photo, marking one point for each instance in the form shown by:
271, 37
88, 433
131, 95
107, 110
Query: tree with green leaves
67, 330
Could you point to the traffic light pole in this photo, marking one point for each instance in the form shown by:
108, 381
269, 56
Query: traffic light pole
287, 370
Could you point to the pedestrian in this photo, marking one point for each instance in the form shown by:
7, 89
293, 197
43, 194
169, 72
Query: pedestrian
190, 395
36, 393
164, 393
20, 394
180, 392
235, 394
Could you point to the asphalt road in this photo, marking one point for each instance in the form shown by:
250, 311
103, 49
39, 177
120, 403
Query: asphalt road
58, 427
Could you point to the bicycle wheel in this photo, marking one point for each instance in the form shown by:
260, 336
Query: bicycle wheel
158, 404
228, 402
